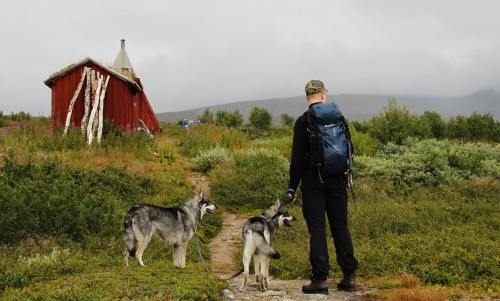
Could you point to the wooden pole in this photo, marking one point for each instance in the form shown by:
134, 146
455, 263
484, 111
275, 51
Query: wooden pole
101, 110
73, 100
96, 119
87, 104
144, 127
90, 126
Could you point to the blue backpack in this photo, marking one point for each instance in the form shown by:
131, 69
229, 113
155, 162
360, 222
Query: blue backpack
329, 140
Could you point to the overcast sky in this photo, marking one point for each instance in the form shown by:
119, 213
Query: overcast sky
195, 53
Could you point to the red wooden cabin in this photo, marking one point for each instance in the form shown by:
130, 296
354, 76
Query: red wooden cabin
125, 101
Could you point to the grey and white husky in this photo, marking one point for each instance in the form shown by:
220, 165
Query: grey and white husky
176, 225
258, 234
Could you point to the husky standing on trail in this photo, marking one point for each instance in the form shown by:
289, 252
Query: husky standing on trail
257, 242
176, 225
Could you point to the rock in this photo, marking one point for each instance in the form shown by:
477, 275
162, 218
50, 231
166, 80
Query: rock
316, 297
228, 294
271, 293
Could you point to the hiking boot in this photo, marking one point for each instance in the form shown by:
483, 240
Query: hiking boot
316, 287
348, 283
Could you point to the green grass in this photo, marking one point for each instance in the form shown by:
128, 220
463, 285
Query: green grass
63, 208
98, 274
445, 233
446, 236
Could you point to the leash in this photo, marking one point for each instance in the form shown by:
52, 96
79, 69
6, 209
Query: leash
204, 264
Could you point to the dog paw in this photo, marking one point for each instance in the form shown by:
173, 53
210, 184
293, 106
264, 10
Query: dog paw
243, 289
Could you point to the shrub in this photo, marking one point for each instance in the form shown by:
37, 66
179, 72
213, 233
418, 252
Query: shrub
442, 235
396, 123
261, 119
475, 159
254, 179
204, 136
282, 143
21, 116
230, 119
363, 143
287, 120
205, 161
166, 154
429, 162
259, 159
438, 125
58, 200
206, 116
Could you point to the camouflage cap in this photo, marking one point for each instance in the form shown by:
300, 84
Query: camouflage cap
315, 86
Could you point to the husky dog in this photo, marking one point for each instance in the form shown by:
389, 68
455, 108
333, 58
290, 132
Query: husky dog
257, 242
176, 225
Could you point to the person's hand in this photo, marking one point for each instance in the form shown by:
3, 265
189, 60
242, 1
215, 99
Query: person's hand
347, 183
290, 194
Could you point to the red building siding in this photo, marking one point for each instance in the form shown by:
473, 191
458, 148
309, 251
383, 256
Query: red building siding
125, 101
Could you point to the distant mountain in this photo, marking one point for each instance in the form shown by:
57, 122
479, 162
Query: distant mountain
358, 107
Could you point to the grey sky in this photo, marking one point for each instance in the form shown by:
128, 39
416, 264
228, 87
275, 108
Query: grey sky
195, 53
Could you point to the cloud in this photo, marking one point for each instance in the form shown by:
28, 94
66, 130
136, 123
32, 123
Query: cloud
197, 53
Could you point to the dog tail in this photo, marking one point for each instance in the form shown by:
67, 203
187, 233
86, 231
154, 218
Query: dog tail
128, 234
264, 248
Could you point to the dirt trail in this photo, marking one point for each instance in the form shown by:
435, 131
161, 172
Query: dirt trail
229, 241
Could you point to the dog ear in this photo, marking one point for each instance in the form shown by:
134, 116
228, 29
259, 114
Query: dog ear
201, 193
277, 205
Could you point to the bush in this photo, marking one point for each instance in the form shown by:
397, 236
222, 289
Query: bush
52, 199
429, 162
363, 143
475, 159
204, 136
444, 235
205, 161
282, 143
396, 124
254, 179
230, 119
441, 235
287, 120
261, 119
44, 270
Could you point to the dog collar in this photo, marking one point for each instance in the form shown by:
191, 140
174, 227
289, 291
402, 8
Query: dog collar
264, 218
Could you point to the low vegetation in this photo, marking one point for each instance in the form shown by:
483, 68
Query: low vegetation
424, 224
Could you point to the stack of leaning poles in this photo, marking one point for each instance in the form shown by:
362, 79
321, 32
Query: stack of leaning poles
95, 91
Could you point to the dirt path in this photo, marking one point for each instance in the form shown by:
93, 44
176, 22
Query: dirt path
229, 241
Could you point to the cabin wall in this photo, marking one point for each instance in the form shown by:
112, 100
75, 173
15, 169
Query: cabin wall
123, 105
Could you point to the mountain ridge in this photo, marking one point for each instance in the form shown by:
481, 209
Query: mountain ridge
357, 107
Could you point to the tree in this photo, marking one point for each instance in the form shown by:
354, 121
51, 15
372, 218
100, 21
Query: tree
225, 118
481, 127
436, 122
206, 116
261, 119
361, 127
457, 127
287, 120
20, 116
396, 123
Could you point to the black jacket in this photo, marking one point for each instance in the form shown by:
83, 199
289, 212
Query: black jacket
300, 150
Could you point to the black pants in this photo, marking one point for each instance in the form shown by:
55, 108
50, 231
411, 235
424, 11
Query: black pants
330, 197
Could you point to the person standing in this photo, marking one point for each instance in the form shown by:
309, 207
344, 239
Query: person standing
321, 194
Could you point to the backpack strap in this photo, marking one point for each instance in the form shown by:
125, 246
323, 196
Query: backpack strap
315, 141
351, 152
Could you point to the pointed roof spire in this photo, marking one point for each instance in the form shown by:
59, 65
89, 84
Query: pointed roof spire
122, 63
